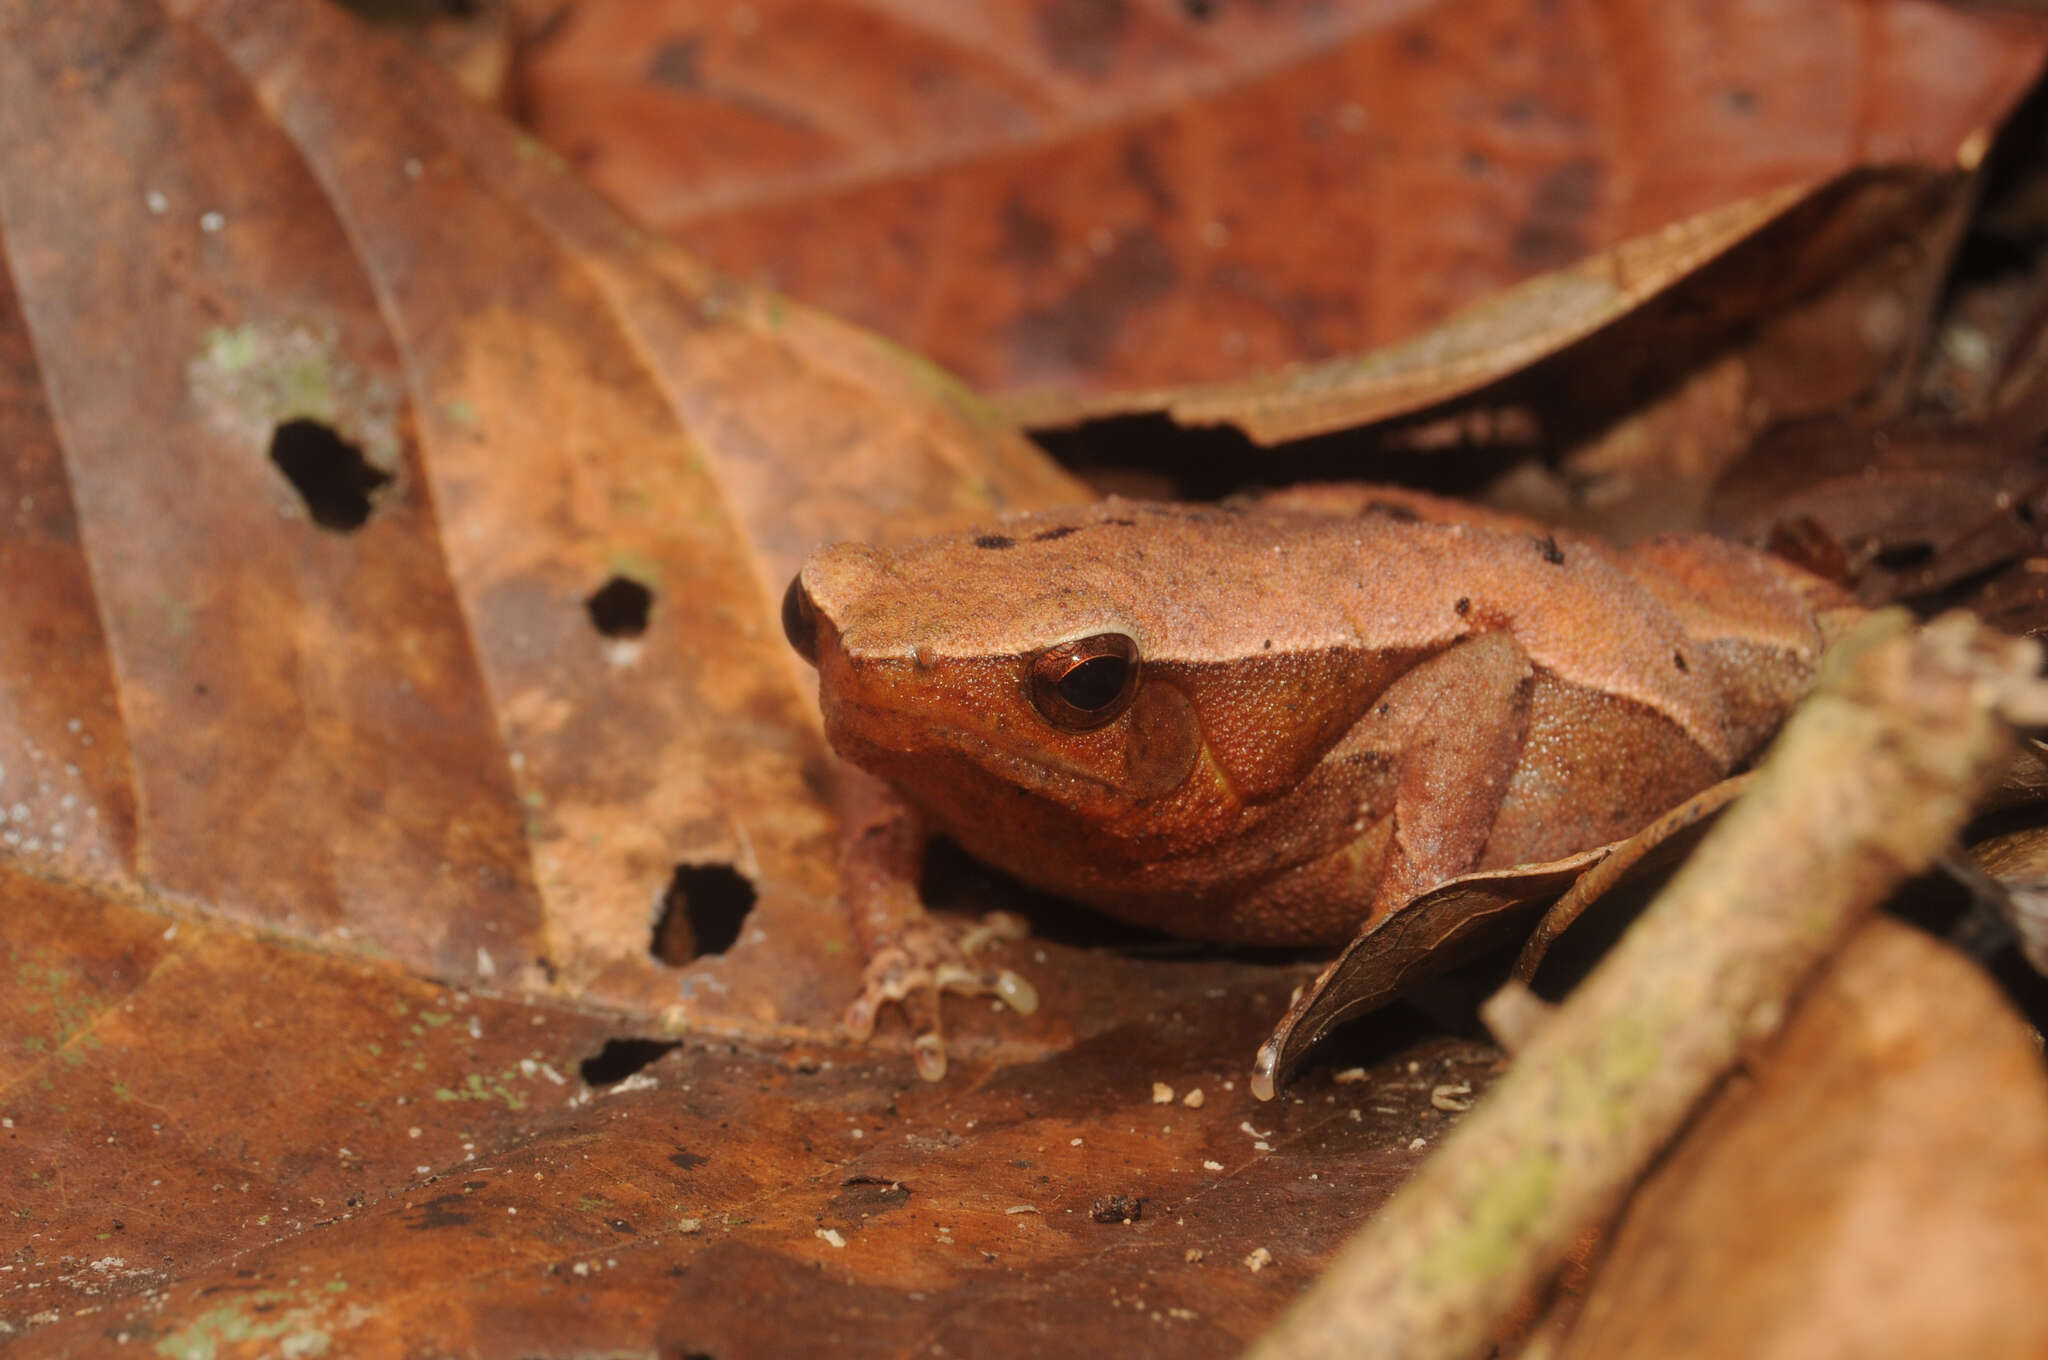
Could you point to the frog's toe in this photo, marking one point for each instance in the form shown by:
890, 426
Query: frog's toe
924, 963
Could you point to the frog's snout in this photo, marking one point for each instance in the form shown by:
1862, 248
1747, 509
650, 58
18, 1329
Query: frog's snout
800, 619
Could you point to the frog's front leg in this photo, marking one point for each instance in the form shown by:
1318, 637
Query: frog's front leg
1457, 724
912, 958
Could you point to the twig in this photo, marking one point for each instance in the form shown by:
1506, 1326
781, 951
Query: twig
1867, 783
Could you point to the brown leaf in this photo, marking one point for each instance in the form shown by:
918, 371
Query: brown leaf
1872, 1187
1910, 507
227, 1145
411, 690
1054, 196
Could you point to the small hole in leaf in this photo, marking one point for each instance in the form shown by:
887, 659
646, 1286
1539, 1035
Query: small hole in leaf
701, 913
621, 1058
619, 608
328, 471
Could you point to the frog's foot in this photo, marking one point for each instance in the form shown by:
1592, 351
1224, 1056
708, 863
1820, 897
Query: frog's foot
926, 959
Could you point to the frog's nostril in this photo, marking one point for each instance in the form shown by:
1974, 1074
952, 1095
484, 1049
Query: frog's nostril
800, 620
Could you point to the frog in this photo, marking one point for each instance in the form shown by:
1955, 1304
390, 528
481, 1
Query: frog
1271, 721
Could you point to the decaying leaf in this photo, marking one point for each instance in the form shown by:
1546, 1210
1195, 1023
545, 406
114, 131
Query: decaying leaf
1896, 510
227, 1145
1065, 199
444, 573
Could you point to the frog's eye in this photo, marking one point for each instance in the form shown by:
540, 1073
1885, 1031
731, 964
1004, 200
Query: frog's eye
1085, 683
800, 620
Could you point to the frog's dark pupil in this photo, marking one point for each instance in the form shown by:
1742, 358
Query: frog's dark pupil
1094, 683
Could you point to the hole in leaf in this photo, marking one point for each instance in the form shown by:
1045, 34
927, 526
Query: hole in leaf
701, 912
619, 608
621, 1058
330, 473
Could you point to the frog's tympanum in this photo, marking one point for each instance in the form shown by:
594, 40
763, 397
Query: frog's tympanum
1275, 723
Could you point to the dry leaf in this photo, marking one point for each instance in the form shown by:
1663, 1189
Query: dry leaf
1873, 1186
1086, 196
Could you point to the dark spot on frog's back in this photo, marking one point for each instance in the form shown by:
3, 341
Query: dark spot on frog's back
1048, 535
994, 541
1400, 514
1547, 545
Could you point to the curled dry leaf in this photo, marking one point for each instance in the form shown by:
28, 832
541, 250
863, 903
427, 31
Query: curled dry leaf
1073, 198
1461, 918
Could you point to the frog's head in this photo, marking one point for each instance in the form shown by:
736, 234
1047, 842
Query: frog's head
985, 670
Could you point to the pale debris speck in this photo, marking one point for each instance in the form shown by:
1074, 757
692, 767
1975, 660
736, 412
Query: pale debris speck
639, 1081
1262, 1146
1452, 1096
1417, 1144
1212, 1166
413, 1132
1193, 1099
422, 1170
1349, 1074
689, 1225
1191, 1255
157, 202
1074, 1143
486, 966
1258, 1260
1246, 1127
1162, 1094
212, 222
1182, 1314
830, 1236
1022, 1209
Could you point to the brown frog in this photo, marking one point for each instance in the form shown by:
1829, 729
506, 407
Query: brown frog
1273, 723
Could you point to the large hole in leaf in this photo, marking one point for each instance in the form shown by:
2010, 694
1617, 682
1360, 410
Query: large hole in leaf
619, 608
701, 912
330, 473
621, 1058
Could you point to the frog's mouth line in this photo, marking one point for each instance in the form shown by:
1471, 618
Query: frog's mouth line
1034, 774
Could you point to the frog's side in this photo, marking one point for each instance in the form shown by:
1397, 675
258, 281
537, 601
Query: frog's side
1325, 713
